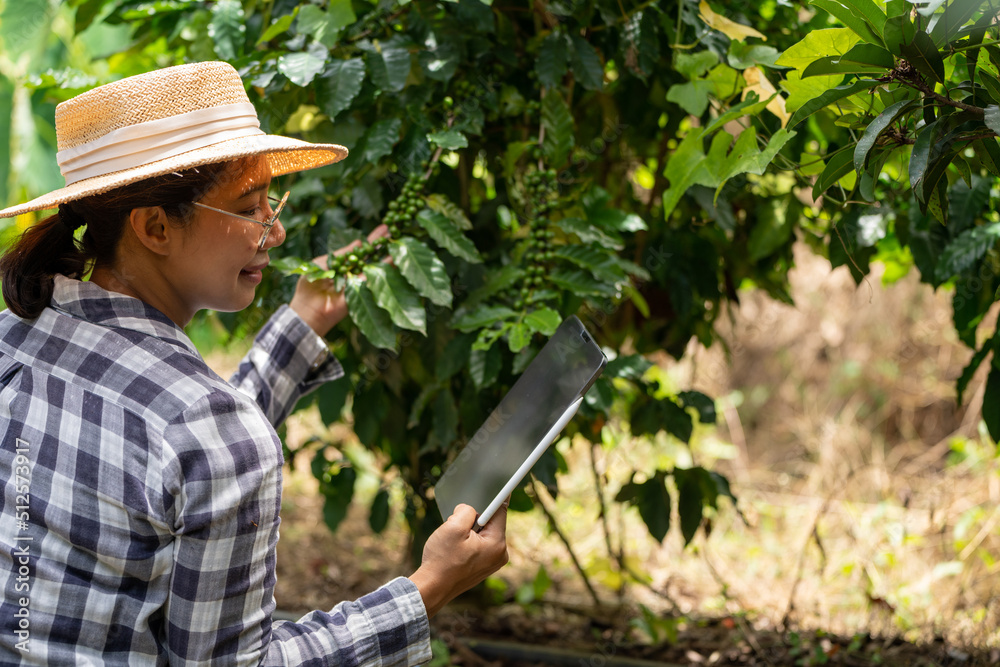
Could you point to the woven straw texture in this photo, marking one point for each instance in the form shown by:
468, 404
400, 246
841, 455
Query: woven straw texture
161, 94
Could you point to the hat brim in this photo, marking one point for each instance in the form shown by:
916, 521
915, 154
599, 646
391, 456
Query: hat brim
285, 154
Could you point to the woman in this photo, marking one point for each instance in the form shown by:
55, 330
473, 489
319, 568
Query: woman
140, 514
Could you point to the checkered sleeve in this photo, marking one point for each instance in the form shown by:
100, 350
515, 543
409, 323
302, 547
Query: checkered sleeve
222, 491
287, 361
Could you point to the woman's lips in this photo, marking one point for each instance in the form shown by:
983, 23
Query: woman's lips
254, 273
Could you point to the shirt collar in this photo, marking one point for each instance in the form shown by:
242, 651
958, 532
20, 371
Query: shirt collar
92, 303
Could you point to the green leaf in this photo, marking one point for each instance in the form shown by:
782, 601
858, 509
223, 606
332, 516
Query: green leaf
339, 84
495, 283
924, 56
704, 405
480, 318
484, 366
325, 26
851, 19
441, 204
337, 493
378, 517
818, 44
445, 421
448, 237
988, 152
694, 65
690, 502
227, 28
518, 336
742, 55
869, 11
588, 233
899, 31
628, 367
691, 96
675, 420
598, 261
331, 398
991, 404
955, 15
963, 254
454, 356
837, 166
876, 128
991, 84
578, 282
380, 138
970, 370
557, 122
587, 67
746, 158
394, 295
969, 201
543, 320
653, 501
772, 230
869, 54
301, 68
422, 268
682, 167
829, 97
449, 140
389, 66
279, 26
992, 118
827, 66
552, 56
920, 156
373, 322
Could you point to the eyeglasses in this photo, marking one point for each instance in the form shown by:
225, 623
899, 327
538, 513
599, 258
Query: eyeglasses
266, 225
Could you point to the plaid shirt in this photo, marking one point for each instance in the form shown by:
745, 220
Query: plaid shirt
139, 513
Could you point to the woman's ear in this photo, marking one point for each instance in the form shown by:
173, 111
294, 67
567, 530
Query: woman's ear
152, 229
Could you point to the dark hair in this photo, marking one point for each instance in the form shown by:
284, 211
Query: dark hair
50, 246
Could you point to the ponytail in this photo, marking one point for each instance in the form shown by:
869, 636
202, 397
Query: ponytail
49, 247
45, 249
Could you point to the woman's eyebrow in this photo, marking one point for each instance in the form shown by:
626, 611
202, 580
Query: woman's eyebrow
260, 187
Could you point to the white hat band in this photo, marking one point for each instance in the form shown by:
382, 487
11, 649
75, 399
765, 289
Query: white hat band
142, 143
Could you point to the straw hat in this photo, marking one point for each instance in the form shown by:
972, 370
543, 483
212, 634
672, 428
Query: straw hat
160, 122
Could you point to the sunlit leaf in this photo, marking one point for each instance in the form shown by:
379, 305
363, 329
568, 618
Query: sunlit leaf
373, 322
422, 268
227, 28
543, 320
730, 29
394, 295
339, 84
449, 237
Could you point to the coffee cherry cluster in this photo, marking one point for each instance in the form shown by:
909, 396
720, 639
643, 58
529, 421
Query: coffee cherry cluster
404, 208
540, 186
538, 256
355, 261
401, 211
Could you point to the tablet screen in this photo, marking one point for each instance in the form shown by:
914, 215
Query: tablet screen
563, 371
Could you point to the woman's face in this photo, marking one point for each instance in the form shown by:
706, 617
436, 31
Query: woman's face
220, 265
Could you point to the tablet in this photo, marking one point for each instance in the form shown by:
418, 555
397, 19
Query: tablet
528, 419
